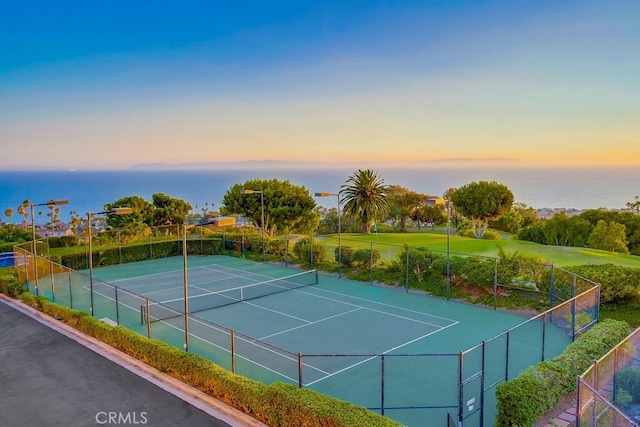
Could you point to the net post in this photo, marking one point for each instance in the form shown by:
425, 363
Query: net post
233, 351
148, 315
299, 370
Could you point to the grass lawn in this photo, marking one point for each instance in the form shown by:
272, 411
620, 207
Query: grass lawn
437, 240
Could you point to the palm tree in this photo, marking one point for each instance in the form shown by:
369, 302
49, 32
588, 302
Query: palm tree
365, 197
8, 213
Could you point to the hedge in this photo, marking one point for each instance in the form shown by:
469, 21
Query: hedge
277, 404
541, 387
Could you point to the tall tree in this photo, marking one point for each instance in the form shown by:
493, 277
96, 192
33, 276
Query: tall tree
8, 213
23, 211
142, 212
169, 210
634, 206
609, 237
402, 204
482, 202
287, 207
365, 197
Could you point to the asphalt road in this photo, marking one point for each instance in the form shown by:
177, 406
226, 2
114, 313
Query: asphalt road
48, 379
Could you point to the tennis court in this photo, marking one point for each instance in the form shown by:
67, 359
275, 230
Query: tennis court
394, 352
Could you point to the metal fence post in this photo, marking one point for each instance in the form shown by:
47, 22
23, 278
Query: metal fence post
406, 279
148, 318
544, 329
482, 390
495, 284
53, 283
506, 360
115, 290
371, 264
382, 385
460, 388
299, 370
233, 351
70, 292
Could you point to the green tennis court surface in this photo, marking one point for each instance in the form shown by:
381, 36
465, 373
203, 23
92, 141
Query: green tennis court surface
384, 349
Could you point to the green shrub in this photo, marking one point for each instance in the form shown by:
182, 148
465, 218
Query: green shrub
365, 258
629, 380
491, 235
9, 283
617, 283
344, 255
539, 388
303, 249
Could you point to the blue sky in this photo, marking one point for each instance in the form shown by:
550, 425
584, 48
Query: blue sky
102, 85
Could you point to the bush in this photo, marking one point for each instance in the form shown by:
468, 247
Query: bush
491, 235
539, 388
344, 254
9, 282
629, 380
366, 258
617, 283
303, 249
63, 241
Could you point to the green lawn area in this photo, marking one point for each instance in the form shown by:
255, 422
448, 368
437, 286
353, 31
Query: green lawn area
437, 240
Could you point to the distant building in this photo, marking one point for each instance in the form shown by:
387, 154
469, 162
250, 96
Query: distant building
219, 222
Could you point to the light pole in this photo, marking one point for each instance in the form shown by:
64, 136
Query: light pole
339, 232
447, 203
33, 231
114, 211
244, 191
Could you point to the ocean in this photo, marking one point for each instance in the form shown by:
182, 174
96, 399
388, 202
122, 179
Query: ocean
89, 191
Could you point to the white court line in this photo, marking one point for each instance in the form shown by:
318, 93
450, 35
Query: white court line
373, 357
195, 285
308, 324
277, 312
209, 325
241, 356
372, 309
386, 305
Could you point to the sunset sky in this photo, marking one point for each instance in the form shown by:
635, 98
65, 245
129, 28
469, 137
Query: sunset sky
111, 84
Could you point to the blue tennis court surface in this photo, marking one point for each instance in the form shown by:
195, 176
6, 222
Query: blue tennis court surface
335, 336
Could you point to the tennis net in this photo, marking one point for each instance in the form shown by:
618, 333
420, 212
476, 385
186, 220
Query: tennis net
157, 311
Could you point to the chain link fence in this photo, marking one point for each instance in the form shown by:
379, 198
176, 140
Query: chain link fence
609, 391
441, 384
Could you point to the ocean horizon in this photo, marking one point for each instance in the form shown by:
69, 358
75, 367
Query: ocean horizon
89, 191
